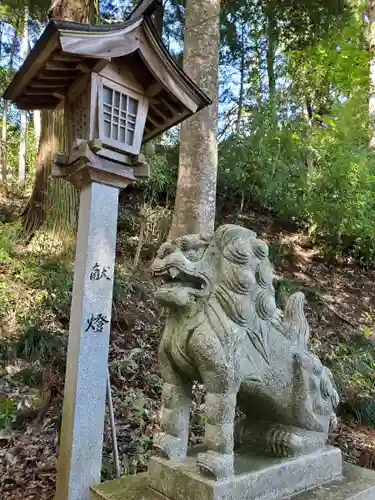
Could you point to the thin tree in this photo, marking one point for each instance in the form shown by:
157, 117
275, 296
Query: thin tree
23, 121
272, 40
4, 118
241, 95
195, 204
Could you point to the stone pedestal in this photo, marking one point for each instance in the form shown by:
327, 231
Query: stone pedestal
81, 439
255, 477
313, 477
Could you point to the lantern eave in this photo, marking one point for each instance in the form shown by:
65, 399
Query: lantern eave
67, 51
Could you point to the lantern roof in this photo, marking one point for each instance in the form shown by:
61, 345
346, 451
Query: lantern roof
67, 51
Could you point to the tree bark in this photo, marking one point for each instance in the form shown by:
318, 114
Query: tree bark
242, 81
371, 37
39, 199
256, 78
23, 121
1, 38
4, 118
195, 204
55, 201
37, 126
80, 11
308, 115
271, 56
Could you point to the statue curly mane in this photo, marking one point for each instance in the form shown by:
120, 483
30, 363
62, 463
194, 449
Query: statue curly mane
244, 287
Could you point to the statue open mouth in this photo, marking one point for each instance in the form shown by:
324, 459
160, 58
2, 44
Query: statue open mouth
175, 276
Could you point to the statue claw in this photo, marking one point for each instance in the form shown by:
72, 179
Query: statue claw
169, 447
215, 465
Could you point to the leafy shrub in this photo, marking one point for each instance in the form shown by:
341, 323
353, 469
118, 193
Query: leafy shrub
8, 412
340, 202
36, 343
284, 289
31, 376
265, 168
353, 367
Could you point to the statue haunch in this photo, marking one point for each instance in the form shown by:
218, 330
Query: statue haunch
225, 331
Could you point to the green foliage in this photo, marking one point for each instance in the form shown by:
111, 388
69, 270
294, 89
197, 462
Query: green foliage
37, 8
269, 169
353, 366
36, 343
13, 142
163, 160
266, 168
31, 376
279, 253
341, 205
136, 409
8, 412
314, 295
154, 383
33, 292
283, 290
121, 283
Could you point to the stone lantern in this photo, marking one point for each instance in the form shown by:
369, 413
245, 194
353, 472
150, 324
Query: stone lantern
119, 87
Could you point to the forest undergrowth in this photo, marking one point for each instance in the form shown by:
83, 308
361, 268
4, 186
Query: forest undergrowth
35, 295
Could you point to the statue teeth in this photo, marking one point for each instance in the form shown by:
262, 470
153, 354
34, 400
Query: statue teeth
173, 272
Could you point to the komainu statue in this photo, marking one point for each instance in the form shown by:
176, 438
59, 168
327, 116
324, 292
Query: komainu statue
225, 331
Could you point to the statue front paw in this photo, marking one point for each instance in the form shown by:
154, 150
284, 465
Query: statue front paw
170, 447
215, 465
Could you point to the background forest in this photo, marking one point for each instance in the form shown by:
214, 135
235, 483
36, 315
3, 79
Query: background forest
296, 163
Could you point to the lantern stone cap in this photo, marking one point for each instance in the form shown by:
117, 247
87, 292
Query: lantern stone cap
68, 51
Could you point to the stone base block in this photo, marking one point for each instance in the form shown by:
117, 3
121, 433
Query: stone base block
357, 484
125, 488
256, 477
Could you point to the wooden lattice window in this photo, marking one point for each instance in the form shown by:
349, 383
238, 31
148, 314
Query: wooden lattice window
119, 114
122, 117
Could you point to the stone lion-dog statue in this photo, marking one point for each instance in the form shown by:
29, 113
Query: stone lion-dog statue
225, 331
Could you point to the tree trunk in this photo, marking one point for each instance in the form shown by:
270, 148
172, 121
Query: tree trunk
256, 73
242, 81
371, 17
4, 118
1, 38
80, 11
308, 115
47, 147
271, 56
37, 126
23, 121
55, 201
194, 210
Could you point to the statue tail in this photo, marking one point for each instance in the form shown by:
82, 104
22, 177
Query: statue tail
296, 328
